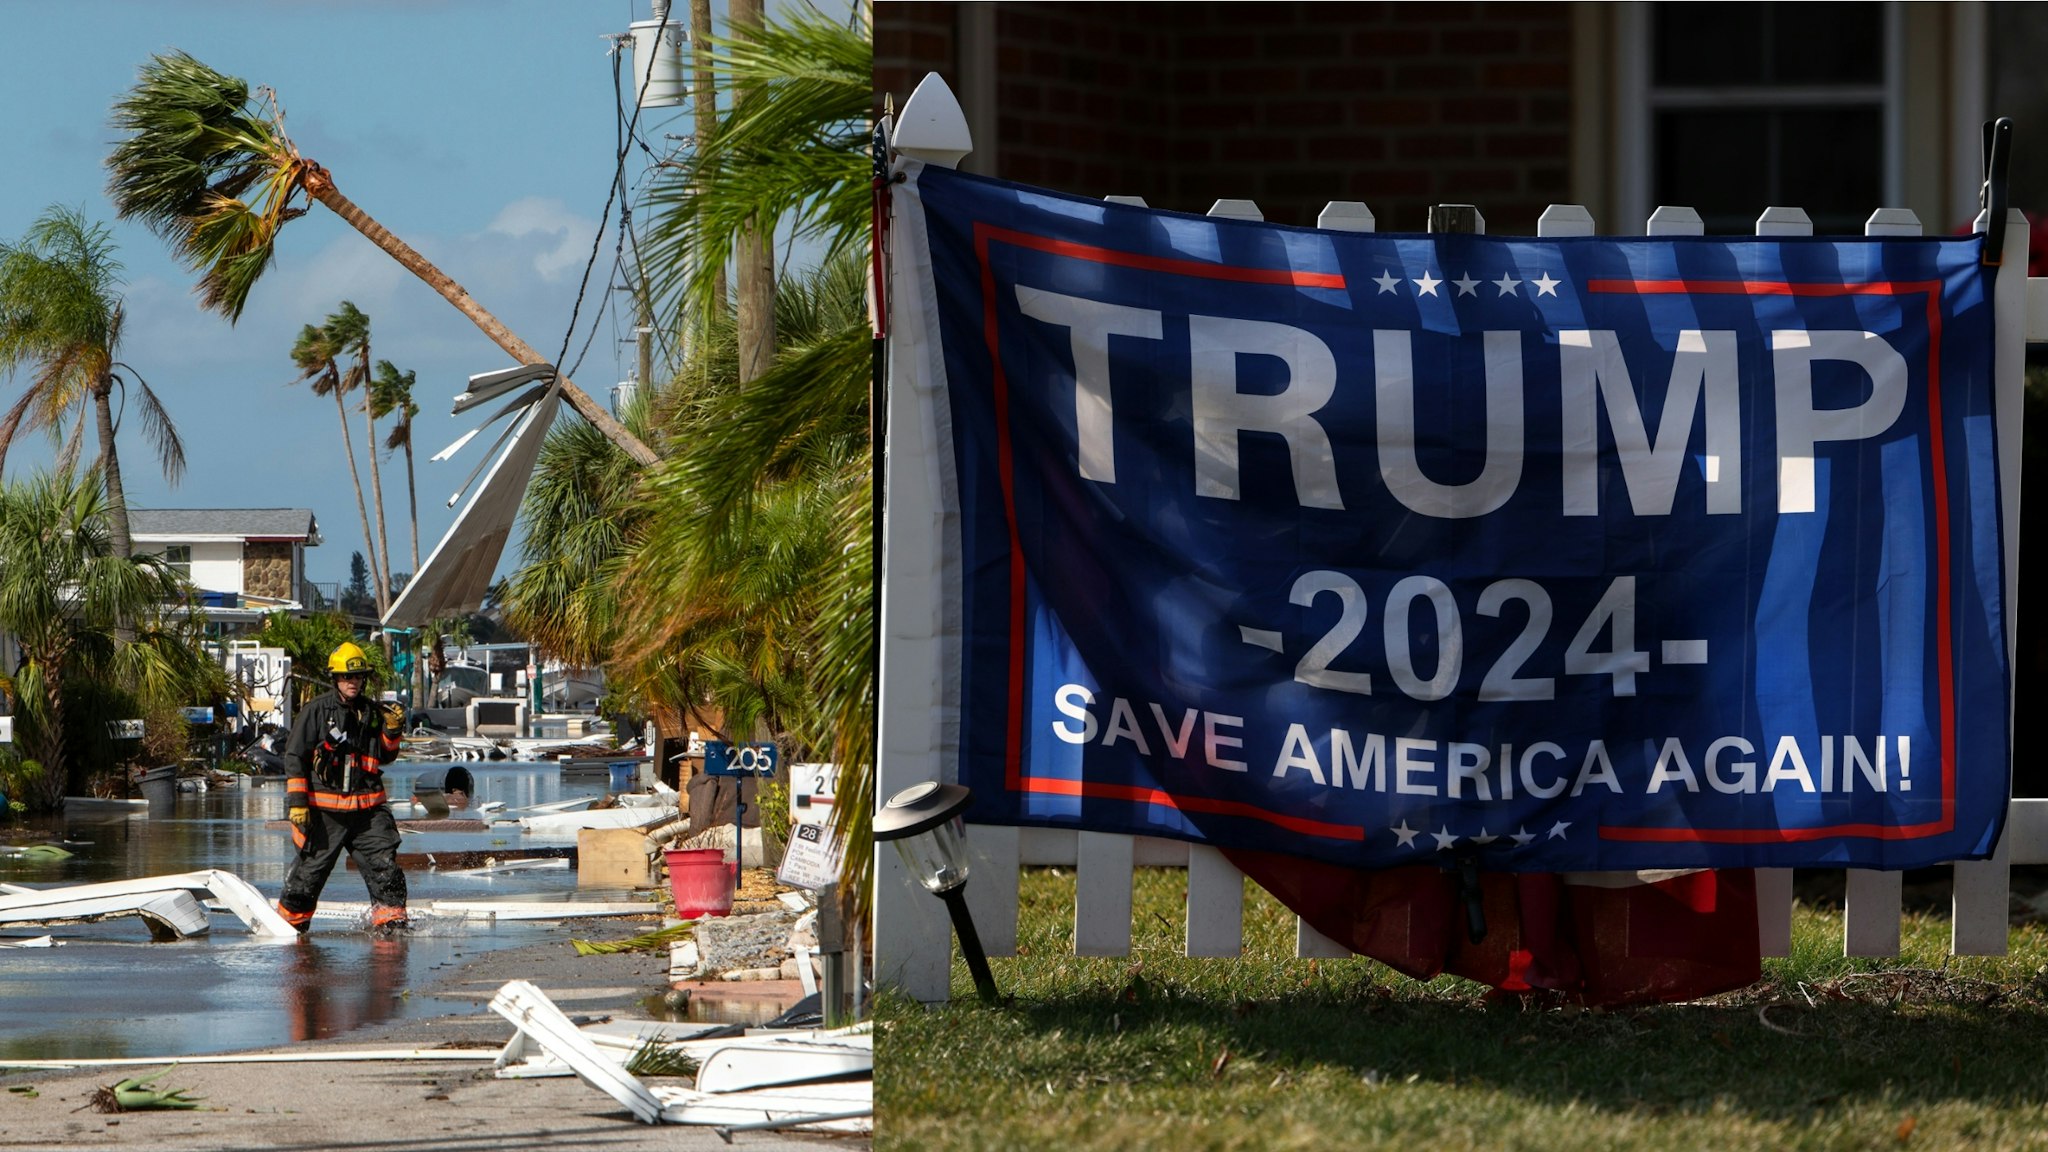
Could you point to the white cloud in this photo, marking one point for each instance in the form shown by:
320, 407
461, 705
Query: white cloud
567, 236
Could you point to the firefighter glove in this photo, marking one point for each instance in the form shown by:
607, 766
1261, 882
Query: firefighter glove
298, 816
394, 719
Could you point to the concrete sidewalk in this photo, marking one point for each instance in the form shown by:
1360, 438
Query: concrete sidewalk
419, 1106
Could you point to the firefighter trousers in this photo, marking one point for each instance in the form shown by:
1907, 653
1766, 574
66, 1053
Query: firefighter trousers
370, 837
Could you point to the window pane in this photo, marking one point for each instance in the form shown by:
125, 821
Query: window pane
1716, 162
1707, 44
1827, 44
1732, 165
1743, 45
1828, 165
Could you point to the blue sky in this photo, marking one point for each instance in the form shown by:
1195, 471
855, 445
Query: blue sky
480, 133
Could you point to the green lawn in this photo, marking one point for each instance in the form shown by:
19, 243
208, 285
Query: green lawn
1156, 1051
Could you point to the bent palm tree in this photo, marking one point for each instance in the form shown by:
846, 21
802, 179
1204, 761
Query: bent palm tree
206, 165
391, 392
61, 311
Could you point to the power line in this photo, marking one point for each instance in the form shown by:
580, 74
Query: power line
620, 132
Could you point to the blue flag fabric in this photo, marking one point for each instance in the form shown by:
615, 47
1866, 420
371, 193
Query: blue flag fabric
1580, 553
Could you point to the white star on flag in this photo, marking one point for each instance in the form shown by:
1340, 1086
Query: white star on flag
1387, 281
1507, 284
1467, 286
1427, 284
1522, 837
1443, 839
1404, 833
1557, 829
1484, 837
1545, 286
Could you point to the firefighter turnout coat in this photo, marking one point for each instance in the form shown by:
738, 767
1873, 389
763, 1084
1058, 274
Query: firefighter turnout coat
335, 759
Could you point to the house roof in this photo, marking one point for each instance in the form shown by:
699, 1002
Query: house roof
217, 523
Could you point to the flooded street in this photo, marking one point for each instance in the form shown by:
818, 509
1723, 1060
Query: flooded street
107, 990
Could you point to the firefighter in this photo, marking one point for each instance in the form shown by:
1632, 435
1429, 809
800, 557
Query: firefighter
334, 795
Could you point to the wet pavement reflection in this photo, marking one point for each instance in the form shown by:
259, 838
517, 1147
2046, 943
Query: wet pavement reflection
106, 990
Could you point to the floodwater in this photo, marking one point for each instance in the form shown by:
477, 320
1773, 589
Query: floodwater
107, 990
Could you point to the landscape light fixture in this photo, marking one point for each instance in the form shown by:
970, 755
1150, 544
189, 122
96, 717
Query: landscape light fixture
924, 822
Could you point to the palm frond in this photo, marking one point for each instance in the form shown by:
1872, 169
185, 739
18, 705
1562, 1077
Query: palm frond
207, 169
793, 148
163, 435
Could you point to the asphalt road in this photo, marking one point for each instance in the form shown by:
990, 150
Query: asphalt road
417, 1106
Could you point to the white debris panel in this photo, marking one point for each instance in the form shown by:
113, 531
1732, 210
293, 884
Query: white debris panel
170, 905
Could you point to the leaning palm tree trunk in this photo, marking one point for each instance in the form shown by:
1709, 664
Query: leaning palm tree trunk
320, 185
412, 505
380, 557
348, 446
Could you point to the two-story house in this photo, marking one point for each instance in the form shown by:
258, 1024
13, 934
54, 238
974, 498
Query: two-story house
246, 562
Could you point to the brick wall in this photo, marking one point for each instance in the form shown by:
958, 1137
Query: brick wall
912, 39
1400, 105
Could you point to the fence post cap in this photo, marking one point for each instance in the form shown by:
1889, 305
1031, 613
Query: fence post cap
1347, 216
1676, 220
1565, 220
931, 127
1784, 221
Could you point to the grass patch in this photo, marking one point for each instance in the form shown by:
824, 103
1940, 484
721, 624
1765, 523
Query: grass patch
1157, 1051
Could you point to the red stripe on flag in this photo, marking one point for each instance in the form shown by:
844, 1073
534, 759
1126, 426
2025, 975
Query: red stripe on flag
984, 236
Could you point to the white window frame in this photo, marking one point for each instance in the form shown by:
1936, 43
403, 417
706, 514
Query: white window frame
1637, 103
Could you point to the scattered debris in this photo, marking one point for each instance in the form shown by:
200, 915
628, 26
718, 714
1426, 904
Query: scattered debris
655, 1058
569, 823
31, 942
34, 852
168, 904
140, 1094
645, 942
293, 1056
492, 866
505, 908
814, 1081
730, 943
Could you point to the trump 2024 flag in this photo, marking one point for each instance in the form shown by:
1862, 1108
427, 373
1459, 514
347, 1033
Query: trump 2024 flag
1578, 554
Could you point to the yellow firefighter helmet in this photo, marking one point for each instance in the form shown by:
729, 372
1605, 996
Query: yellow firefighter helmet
348, 659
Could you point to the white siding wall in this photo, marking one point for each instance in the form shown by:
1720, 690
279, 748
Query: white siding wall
217, 567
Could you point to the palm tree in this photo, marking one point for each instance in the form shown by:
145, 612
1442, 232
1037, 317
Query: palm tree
61, 313
318, 352
796, 152
351, 330
391, 392
750, 568
207, 166
68, 597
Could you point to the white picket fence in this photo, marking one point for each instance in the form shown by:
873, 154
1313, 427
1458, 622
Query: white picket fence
913, 937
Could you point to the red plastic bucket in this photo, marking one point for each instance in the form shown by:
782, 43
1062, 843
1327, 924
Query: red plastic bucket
701, 880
